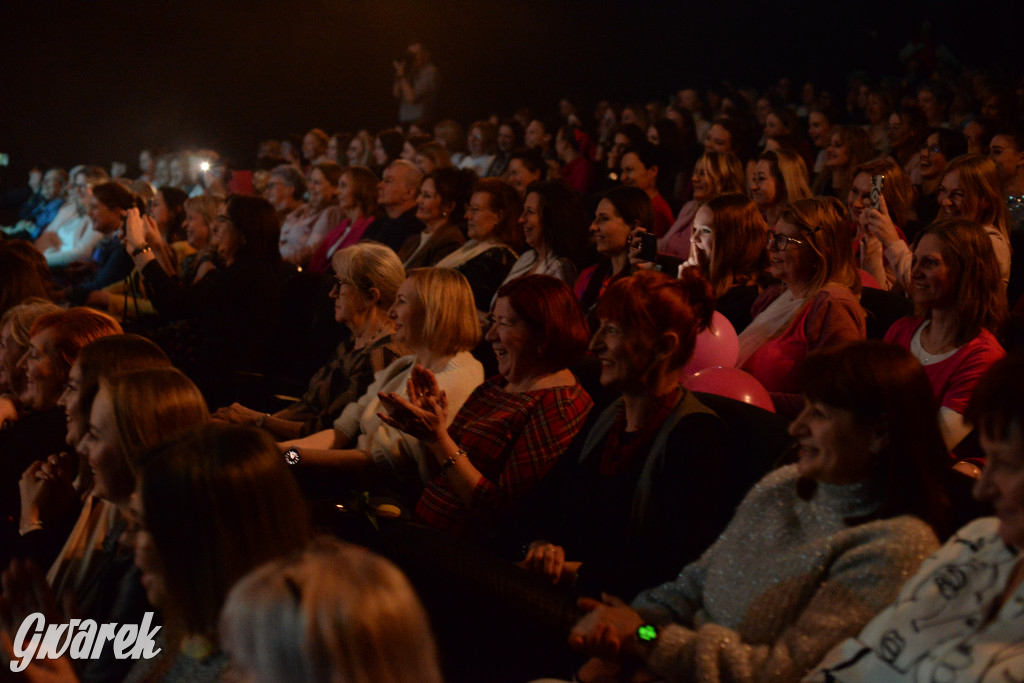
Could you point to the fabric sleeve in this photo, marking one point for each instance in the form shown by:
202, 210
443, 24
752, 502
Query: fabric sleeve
958, 550
80, 252
348, 422
872, 262
545, 436
831, 321
959, 387
900, 260
117, 266
862, 581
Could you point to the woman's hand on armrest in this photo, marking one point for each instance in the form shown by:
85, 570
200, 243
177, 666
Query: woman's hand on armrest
549, 560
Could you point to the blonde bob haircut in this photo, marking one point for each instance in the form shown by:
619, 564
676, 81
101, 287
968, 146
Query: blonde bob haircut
825, 224
370, 266
335, 613
983, 195
724, 170
450, 324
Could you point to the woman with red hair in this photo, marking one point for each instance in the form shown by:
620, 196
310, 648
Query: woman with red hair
40, 427
646, 490
514, 427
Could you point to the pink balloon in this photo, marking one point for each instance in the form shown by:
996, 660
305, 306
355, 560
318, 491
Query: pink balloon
717, 346
732, 383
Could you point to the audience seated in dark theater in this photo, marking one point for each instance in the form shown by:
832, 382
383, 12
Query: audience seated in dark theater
554, 226
396, 196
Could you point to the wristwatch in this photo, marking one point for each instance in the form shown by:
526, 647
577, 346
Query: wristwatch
647, 636
291, 456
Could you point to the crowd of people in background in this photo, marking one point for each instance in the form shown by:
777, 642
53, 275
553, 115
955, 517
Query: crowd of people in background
712, 376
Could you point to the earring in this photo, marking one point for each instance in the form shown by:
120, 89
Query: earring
444, 214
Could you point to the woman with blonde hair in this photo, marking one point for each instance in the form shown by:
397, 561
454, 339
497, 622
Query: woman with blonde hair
433, 313
359, 148
367, 277
715, 173
431, 156
816, 305
334, 613
780, 177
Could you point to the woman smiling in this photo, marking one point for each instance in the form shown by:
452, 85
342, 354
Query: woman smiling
433, 314
960, 614
810, 252
439, 206
814, 551
960, 306
513, 428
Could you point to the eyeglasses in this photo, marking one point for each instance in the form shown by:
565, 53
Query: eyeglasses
340, 284
932, 149
779, 242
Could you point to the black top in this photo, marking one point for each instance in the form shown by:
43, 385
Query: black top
112, 265
394, 231
233, 313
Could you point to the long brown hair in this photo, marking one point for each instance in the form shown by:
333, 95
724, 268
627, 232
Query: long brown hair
738, 254
980, 300
219, 501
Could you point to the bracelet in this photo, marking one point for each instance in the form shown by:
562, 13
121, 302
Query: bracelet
450, 462
142, 249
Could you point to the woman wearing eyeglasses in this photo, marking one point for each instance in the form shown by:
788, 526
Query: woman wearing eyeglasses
368, 276
815, 307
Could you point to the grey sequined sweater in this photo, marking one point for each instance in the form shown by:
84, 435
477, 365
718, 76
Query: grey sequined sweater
785, 581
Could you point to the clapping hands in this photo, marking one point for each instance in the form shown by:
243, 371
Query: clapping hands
424, 414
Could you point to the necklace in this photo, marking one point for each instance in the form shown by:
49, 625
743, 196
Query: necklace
362, 340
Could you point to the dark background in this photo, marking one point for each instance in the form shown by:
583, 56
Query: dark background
97, 81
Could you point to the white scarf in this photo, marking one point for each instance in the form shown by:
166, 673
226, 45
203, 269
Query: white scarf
769, 323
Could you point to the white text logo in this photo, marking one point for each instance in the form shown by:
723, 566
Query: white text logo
81, 640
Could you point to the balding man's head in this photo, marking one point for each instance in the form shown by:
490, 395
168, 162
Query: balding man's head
397, 191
